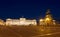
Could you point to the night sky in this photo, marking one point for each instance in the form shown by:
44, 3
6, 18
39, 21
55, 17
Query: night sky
32, 9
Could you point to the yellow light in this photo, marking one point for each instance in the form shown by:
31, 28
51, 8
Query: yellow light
47, 19
41, 19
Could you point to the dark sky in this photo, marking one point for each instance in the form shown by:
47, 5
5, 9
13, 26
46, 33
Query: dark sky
28, 8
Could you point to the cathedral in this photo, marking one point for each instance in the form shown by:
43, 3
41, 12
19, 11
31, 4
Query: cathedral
48, 19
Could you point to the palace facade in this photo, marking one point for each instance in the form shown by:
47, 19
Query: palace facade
21, 21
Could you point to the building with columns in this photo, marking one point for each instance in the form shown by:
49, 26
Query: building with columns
21, 21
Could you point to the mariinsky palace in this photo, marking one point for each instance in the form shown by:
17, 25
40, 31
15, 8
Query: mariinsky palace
47, 20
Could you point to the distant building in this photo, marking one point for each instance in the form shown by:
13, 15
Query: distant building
21, 21
48, 20
2, 22
41, 22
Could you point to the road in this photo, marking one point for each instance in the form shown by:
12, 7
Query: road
29, 31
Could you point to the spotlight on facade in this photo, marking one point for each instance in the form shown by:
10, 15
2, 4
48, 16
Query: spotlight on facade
47, 19
41, 20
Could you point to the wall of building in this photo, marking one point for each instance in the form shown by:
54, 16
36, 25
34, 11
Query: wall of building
2, 22
21, 21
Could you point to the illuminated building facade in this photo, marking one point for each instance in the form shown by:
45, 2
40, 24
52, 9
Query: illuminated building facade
41, 22
2, 22
21, 21
48, 20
